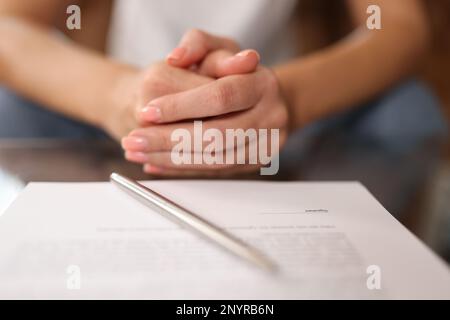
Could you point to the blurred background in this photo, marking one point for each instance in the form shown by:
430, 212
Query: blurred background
426, 211
414, 185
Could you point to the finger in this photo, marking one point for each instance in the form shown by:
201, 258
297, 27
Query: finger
195, 45
198, 135
221, 63
162, 80
223, 96
161, 163
206, 159
253, 155
164, 160
165, 138
228, 173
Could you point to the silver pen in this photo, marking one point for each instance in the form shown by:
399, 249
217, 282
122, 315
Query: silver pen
185, 218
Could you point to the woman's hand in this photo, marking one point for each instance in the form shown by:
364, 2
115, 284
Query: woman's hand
183, 71
137, 87
212, 56
240, 101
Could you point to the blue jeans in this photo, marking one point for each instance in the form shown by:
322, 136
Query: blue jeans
20, 118
401, 118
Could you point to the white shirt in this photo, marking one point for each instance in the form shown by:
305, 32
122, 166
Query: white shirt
145, 31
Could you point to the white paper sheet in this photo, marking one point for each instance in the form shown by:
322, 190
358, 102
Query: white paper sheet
323, 236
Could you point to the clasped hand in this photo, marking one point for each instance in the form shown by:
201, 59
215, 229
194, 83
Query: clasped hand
205, 78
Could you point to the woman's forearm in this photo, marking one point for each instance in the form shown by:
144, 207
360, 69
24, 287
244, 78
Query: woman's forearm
57, 73
350, 72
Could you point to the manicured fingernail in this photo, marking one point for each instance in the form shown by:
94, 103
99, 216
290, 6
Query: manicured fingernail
148, 168
135, 143
246, 53
139, 157
151, 114
177, 54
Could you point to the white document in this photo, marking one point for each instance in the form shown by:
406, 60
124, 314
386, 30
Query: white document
330, 240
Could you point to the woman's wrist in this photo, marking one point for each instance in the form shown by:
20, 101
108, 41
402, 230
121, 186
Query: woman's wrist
302, 83
290, 89
120, 95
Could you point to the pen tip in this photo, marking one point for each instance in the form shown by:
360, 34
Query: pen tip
113, 176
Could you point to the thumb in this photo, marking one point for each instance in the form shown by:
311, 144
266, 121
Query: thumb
223, 63
196, 45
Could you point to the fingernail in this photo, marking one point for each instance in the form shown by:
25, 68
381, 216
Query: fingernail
246, 53
177, 54
151, 114
139, 157
135, 143
148, 168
